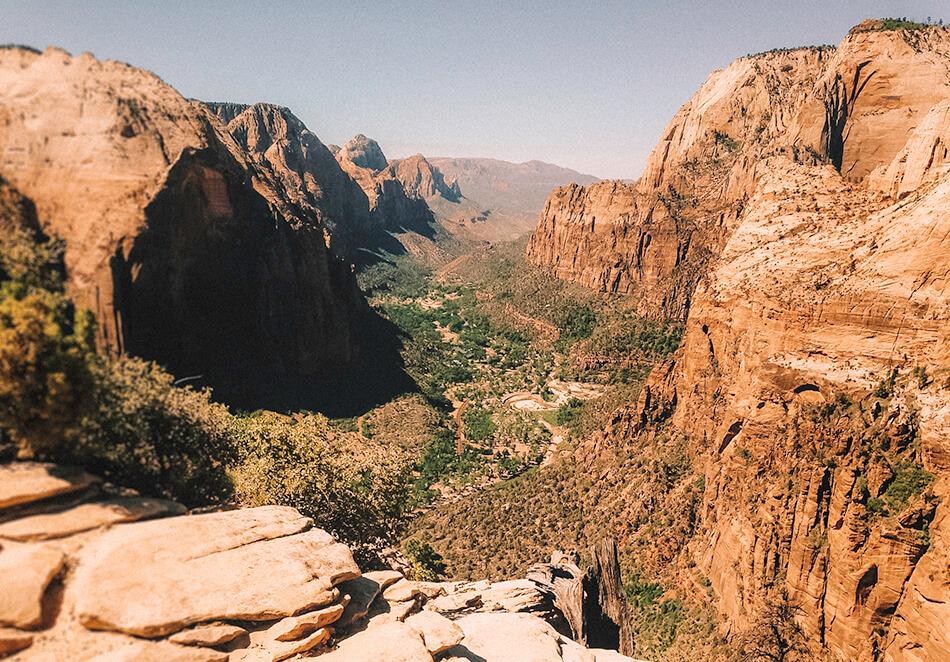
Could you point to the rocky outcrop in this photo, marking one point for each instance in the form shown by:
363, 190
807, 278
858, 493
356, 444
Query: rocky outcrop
177, 572
186, 247
399, 218
420, 179
240, 585
610, 237
804, 315
292, 162
364, 153
923, 160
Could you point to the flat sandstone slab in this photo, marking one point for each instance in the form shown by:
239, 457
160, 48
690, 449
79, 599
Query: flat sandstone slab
154, 578
25, 572
25, 482
88, 516
147, 651
392, 642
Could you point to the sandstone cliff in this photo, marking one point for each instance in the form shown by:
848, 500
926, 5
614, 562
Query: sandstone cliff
190, 247
400, 218
854, 107
812, 382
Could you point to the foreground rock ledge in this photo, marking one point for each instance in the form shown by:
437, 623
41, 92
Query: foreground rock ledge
154, 578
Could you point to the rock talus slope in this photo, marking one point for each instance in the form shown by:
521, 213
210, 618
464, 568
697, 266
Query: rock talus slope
190, 250
812, 381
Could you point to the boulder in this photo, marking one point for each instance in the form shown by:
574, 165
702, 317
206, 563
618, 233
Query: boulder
12, 641
264, 648
391, 642
25, 572
385, 578
433, 589
402, 591
154, 578
208, 635
514, 596
457, 601
26, 482
361, 592
297, 627
88, 516
387, 612
494, 637
438, 632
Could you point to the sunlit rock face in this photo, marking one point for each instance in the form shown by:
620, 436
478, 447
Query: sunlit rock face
816, 183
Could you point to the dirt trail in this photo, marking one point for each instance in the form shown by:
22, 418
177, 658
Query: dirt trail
557, 437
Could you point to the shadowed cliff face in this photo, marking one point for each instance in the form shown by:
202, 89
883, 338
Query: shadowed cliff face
829, 273
202, 248
212, 280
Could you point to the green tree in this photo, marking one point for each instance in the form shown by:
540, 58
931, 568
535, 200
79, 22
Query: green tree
479, 425
425, 564
46, 347
349, 485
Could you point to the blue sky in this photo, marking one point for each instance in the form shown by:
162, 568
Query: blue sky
584, 85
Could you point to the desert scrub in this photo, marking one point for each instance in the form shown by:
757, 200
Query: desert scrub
350, 486
910, 480
46, 348
150, 435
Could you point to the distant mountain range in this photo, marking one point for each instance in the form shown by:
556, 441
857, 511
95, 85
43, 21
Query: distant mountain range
519, 188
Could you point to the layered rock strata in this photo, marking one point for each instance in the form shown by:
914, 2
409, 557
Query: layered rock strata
853, 107
811, 385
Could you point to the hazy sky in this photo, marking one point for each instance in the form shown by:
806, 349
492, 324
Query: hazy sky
584, 85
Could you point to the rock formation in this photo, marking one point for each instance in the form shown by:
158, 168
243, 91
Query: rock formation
240, 585
592, 601
854, 107
795, 212
190, 248
421, 179
291, 160
400, 218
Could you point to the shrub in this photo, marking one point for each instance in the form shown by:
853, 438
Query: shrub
920, 374
875, 505
46, 348
910, 480
425, 564
150, 435
355, 489
886, 388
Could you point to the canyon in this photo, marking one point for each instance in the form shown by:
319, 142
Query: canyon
792, 452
